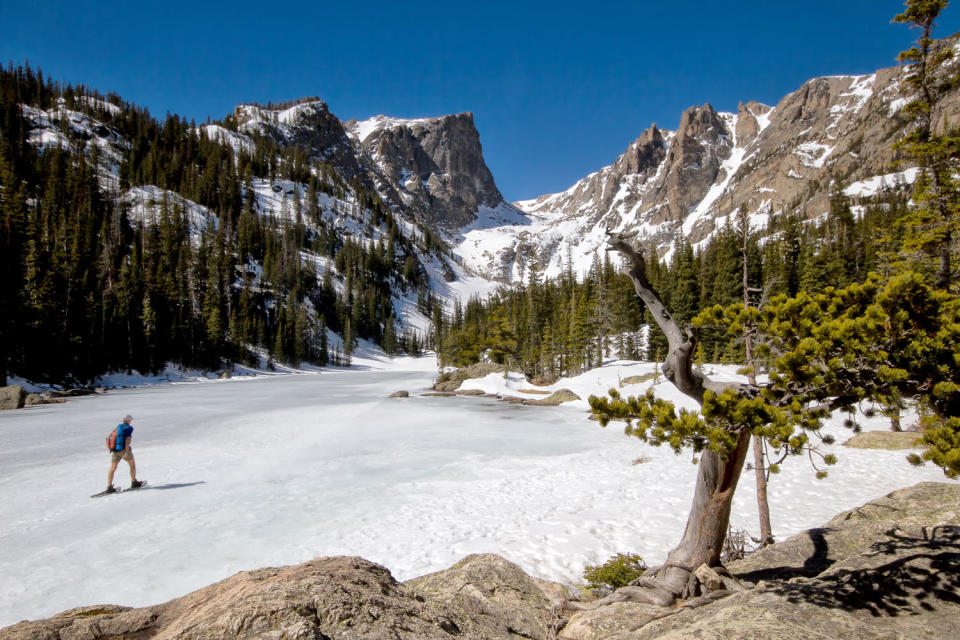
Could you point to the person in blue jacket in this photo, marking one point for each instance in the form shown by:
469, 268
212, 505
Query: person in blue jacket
122, 451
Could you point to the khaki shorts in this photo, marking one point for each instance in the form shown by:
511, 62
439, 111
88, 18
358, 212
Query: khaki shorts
126, 454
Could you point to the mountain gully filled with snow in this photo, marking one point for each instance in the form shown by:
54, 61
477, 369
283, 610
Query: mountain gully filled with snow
277, 469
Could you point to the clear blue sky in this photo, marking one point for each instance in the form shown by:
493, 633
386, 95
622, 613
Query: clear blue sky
557, 89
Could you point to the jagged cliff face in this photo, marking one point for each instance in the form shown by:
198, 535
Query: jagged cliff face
309, 126
832, 133
431, 169
433, 166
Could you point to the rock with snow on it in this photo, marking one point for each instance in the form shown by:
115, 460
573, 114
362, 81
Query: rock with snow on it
432, 166
608, 620
400, 394
12, 397
452, 380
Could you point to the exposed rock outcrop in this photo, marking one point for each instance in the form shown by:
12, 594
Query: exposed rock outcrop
452, 380
886, 570
556, 398
308, 125
493, 598
12, 397
433, 166
341, 598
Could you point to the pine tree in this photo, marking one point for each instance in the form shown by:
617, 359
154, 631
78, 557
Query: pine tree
931, 227
895, 333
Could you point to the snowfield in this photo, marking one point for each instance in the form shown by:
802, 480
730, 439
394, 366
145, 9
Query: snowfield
275, 470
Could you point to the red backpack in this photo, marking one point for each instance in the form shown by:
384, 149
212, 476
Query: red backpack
112, 440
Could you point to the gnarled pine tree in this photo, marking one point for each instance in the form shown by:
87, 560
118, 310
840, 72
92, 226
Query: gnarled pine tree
825, 352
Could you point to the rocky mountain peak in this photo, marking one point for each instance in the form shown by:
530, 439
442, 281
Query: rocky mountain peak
307, 124
702, 142
433, 166
749, 121
644, 155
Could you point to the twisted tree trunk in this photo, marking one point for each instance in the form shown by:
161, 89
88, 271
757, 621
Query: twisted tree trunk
717, 476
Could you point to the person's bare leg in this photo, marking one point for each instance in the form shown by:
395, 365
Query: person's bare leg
133, 469
113, 467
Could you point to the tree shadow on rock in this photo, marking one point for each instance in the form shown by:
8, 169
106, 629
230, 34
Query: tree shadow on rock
815, 564
920, 575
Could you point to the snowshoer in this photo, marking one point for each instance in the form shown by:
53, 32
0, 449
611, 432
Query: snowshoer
122, 451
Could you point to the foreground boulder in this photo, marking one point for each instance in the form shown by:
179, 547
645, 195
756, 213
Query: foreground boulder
493, 598
334, 598
12, 397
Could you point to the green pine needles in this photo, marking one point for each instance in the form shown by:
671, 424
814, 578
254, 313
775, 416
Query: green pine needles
865, 342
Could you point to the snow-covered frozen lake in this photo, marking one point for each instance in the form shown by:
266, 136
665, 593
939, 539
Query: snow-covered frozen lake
248, 473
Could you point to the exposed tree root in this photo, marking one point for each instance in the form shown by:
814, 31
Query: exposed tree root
704, 585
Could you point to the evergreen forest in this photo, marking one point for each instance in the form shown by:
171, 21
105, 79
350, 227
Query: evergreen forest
94, 282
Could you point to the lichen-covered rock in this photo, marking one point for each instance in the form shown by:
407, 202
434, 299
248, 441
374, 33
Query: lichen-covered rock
885, 571
613, 618
492, 597
890, 440
562, 395
853, 532
12, 397
341, 598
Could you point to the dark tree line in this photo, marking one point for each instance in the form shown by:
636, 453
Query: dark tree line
561, 326
88, 288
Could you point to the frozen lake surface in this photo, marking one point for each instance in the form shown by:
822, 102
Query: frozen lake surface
248, 473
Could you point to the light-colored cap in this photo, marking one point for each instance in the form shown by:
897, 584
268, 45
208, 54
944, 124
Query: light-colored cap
127, 417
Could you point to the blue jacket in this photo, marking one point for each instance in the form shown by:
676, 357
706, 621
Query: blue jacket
124, 431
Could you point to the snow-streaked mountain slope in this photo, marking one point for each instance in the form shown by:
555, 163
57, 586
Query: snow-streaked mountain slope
832, 134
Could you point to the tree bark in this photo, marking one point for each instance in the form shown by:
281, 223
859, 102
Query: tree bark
717, 476
895, 420
709, 518
759, 466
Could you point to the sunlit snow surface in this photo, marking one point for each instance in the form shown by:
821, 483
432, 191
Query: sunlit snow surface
248, 473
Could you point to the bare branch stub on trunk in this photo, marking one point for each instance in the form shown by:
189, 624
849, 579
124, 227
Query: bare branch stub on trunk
678, 366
